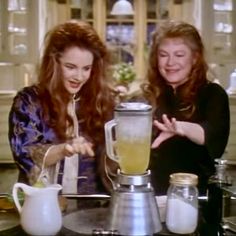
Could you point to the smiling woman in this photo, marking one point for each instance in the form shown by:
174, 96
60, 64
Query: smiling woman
76, 66
175, 60
191, 114
56, 126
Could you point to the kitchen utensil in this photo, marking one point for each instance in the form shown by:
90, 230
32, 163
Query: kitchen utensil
40, 213
133, 128
133, 208
182, 201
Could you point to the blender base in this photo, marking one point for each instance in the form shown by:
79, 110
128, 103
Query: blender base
133, 208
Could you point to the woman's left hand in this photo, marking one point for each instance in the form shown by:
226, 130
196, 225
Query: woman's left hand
79, 145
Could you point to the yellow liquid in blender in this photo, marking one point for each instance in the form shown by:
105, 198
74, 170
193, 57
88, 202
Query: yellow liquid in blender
133, 155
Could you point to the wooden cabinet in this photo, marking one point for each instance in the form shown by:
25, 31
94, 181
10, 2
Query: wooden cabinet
5, 105
82, 10
19, 38
231, 146
120, 35
219, 30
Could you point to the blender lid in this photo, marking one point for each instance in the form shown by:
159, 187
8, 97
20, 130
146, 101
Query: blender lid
133, 106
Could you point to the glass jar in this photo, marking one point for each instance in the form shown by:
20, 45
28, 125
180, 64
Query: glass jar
182, 203
218, 199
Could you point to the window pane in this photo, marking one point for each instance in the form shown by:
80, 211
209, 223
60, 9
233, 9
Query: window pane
120, 39
81, 9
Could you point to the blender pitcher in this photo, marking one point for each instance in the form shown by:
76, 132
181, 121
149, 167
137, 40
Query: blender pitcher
130, 144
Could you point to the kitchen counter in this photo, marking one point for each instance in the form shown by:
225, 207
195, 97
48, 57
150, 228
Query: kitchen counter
74, 205
81, 215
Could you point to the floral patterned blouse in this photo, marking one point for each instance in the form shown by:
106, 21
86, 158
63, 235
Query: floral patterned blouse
30, 139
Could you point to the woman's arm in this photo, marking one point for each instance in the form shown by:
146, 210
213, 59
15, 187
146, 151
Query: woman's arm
34, 145
217, 123
60, 151
32, 141
29, 136
171, 127
213, 128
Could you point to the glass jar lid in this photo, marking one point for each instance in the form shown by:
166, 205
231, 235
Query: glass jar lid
183, 179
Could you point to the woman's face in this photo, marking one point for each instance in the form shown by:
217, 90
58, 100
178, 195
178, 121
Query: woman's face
76, 67
175, 61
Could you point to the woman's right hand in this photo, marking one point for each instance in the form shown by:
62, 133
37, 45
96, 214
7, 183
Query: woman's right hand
78, 145
171, 127
60, 151
168, 128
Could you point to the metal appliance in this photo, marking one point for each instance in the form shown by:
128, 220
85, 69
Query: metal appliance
133, 208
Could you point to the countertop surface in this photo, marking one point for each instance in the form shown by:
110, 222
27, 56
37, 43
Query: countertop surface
81, 217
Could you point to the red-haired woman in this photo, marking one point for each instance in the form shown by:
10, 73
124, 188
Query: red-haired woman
56, 127
191, 125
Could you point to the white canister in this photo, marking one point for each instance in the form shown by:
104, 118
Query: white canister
182, 203
232, 86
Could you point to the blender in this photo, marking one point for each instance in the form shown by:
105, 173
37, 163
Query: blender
133, 208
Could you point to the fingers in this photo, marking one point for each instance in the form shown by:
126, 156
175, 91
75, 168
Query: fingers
68, 150
174, 124
161, 138
159, 125
79, 145
167, 128
167, 125
156, 143
86, 148
82, 146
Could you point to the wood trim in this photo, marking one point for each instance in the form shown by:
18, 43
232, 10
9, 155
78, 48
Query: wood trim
140, 28
99, 23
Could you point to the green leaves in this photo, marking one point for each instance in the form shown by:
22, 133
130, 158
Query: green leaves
124, 73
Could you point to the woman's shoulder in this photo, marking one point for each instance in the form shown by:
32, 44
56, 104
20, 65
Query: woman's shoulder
29, 90
214, 89
29, 93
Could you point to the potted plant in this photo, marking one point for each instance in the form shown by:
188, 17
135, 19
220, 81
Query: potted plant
124, 73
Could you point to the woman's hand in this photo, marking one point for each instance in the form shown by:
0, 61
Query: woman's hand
78, 145
168, 128
60, 151
171, 127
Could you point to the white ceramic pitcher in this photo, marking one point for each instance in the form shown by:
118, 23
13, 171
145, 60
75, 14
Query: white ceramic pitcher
40, 213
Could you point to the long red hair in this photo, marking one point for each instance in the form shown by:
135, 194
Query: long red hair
156, 84
96, 101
